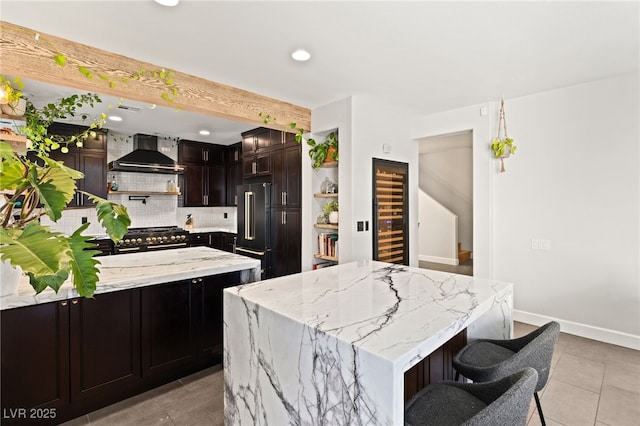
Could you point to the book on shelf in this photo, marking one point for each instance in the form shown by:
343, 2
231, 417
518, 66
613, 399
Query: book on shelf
323, 265
328, 244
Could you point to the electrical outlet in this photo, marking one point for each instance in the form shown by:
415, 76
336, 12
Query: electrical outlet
83, 220
225, 215
540, 244
360, 226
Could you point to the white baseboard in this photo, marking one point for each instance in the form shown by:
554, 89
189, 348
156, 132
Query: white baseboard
582, 330
436, 259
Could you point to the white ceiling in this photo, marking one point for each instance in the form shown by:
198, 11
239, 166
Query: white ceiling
423, 56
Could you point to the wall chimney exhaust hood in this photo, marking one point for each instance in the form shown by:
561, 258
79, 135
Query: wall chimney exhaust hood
145, 158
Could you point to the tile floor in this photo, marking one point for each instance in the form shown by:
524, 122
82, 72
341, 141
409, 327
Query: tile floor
591, 383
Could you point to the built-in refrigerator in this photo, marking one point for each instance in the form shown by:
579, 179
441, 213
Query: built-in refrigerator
254, 224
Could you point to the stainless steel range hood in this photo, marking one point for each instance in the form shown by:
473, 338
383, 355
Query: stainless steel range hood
145, 158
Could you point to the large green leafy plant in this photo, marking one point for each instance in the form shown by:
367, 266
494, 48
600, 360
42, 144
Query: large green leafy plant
34, 185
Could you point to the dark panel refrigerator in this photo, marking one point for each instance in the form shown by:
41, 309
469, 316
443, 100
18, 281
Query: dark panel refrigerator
254, 224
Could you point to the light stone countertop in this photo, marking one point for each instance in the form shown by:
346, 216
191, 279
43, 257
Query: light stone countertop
213, 229
131, 270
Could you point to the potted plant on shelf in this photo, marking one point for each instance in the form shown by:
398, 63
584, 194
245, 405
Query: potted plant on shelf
35, 185
502, 146
323, 152
330, 210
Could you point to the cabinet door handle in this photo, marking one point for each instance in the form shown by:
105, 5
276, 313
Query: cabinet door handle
63, 303
235, 155
286, 198
254, 168
284, 218
235, 199
74, 302
282, 201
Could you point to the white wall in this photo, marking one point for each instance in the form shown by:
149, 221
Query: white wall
365, 124
574, 182
376, 123
438, 231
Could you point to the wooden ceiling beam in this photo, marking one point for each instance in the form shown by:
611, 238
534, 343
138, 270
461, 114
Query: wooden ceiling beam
30, 54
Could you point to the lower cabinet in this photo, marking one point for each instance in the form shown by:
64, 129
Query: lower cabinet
64, 359
35, 363
286, 229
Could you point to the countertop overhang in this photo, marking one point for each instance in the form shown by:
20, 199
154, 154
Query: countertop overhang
124, 271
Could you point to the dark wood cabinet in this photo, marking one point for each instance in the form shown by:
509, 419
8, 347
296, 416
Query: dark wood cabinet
90, 159
233, 173
286, 176
204, 179
193, 152
203, 186
435, 367
217, 240
104, 344
286, 237
35, 360
182, 324
168, 337
64, 359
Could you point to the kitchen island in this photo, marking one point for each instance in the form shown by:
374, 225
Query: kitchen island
155, 317
331, 346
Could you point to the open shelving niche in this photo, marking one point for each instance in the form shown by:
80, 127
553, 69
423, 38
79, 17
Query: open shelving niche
330, 171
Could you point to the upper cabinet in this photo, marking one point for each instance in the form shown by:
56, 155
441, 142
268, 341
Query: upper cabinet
234, 172
203, 182
200, 153
258, 146
91, 160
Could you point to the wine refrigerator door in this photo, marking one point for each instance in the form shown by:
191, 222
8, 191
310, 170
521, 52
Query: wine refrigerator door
390, 211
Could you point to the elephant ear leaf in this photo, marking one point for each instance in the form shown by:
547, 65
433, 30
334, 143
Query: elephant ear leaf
40, 252
83, 264
112, 216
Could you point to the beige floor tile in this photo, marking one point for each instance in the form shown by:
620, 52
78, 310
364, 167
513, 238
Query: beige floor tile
580, 372
619, 407
194, 407
568, 404
621, 354
623, 375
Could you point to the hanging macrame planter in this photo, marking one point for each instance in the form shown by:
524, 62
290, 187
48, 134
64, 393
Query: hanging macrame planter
503, 146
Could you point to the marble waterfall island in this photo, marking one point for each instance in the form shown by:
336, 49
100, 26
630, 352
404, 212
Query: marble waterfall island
330, 346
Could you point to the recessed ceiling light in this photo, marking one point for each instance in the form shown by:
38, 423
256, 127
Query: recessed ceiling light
301, 55
167, 2
205, 132
115, 118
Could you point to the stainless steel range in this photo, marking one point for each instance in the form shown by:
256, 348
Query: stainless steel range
152, 238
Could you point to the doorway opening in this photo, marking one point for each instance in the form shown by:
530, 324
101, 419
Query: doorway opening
445, 180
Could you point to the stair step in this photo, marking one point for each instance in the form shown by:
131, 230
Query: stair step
463, 255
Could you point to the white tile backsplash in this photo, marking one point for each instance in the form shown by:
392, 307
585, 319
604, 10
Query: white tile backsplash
157, 210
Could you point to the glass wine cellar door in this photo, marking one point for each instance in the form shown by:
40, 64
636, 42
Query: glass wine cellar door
390, 209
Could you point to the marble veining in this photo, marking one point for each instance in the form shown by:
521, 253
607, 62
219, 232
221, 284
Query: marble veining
331, 346
124, 271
